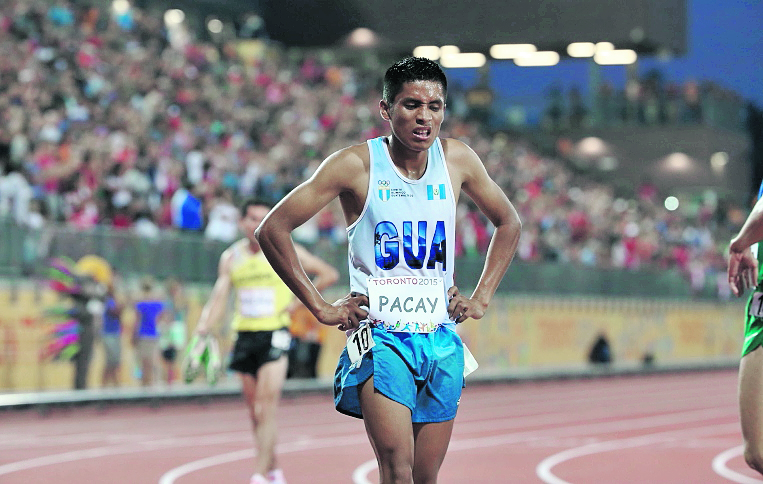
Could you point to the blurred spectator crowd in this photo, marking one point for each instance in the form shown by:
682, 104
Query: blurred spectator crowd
105, 121
649, 100
110, 120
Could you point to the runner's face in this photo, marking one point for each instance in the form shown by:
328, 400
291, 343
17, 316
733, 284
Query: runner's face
416, 114
253, 218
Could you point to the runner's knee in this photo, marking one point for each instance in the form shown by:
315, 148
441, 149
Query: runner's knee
425, 474
262, 407
396, 465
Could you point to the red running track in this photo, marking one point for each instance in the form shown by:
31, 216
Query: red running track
668, 428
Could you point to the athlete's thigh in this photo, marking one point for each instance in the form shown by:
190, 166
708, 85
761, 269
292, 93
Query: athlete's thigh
248, 386
388, 423
270, 378
751, 396
430, 445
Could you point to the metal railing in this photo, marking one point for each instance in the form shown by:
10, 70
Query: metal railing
192, 258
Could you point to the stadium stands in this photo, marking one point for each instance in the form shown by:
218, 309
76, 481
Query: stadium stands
112, 122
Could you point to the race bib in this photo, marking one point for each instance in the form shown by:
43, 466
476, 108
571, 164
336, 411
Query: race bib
408, 304
281, 340
257, 302
756, 305
359, 343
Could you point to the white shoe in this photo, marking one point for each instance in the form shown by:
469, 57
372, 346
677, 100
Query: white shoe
276, 477
258, 479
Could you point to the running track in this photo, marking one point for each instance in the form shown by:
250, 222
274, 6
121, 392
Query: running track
664, 428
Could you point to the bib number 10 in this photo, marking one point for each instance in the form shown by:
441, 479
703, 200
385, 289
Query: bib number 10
359, 343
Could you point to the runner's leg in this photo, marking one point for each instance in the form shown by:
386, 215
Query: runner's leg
430, 445
389, 428
751, 408
262, 395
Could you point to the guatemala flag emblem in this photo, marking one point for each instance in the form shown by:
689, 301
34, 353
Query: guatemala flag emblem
436, 192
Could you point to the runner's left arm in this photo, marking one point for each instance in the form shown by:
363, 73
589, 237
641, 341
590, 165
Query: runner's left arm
742, 266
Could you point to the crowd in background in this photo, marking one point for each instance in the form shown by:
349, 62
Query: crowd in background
158, 335
649, 100
108, 120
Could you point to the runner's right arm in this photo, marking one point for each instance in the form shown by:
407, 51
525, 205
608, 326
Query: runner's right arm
217, 303
337, 176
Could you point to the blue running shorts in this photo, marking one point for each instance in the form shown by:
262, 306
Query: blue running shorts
423, 371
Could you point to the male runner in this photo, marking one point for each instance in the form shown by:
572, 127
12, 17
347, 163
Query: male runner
743, 272
402, 369
261, 321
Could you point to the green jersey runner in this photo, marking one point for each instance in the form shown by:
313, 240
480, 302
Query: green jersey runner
753, 328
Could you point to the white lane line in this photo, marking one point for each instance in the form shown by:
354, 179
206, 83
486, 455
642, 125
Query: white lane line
585, 411
565, 418
595, 429
360, 474
34, 441
516, 437
146, 446
170, 476
544, 469
511, 394
19, 441
537, 394
720, 468
63, 458
584, 392
68, 457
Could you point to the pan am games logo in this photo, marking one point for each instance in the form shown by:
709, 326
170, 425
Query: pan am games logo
384, 191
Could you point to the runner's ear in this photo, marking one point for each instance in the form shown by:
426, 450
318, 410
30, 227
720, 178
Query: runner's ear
384, 110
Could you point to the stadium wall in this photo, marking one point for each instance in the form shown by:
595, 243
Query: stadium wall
519, 332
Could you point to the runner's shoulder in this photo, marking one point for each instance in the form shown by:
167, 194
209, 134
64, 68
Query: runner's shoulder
233, 252
353, 157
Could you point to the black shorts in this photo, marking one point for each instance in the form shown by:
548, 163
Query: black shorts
255, 348
169, 354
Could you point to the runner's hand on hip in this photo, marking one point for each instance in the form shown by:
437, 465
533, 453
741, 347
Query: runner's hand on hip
346, 313
460, 307
742, 271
